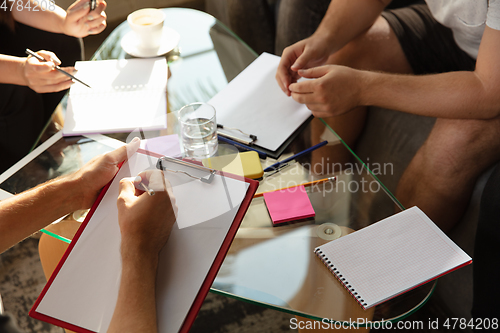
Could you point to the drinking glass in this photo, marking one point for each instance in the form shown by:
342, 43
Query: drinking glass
198, 130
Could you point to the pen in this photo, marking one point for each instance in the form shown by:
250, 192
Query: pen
93, 4
138, 179
40, 58
241, 146
316, 182
250, 136
308, 150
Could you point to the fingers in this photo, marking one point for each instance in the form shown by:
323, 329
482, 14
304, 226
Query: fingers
315, 72
124, 152
284, 74
42, 77
155, 180
50, 57
81, 22
79, 6
126, 190
96, 19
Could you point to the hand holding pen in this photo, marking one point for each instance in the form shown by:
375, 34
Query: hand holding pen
43, 73
85, 18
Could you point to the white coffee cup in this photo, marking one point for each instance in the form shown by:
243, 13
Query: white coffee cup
147, 23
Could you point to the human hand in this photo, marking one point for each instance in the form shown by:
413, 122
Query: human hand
145, 220
99, 171
81, 22
333, 90
42, 77
307, 53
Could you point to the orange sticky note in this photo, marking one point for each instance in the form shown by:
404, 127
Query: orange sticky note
289, 205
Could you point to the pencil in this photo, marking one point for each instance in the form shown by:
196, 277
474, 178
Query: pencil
315, 182
33, 54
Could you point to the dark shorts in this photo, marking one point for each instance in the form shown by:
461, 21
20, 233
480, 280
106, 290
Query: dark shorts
428, 45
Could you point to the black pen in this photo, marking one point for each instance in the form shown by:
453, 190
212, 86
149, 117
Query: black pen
242, 146
93, 4
40, 58
286, 160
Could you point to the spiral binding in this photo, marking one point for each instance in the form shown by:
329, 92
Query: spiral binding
331, 267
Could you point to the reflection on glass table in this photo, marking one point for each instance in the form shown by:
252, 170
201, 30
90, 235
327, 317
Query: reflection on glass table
270, 266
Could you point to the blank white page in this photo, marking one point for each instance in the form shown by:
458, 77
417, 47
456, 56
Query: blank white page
254, 103
85, 290
391, 256
125, 94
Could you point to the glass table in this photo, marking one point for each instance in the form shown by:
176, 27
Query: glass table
271, 266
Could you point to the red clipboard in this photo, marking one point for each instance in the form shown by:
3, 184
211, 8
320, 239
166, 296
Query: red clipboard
207, 283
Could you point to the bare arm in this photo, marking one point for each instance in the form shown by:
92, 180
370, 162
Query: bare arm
78, 21
26, 213
39, 76
145, 224
343, 21
473, 95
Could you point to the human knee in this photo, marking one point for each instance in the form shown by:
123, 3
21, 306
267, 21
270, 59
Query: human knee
461, 149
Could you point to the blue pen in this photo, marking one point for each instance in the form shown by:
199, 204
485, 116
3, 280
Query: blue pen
241, 146
308, 150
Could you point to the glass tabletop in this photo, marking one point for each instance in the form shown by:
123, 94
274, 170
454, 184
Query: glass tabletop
271, 266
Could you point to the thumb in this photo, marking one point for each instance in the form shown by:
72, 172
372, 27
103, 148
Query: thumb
126, 189
124, 152
313, 73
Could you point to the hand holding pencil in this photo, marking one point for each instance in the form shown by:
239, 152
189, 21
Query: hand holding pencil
42, 77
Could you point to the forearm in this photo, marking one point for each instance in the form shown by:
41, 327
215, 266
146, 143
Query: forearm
51, 19
135, 309
449, 95
30, 211
12, 69
347, 19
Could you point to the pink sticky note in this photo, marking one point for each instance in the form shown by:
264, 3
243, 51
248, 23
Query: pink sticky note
289, 205
167, 145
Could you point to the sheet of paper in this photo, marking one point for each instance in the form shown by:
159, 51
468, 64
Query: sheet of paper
125, 94
254, 103
85, 291
289, 204
392, 256
167, 145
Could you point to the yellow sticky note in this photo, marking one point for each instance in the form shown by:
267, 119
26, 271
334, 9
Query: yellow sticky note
245, 164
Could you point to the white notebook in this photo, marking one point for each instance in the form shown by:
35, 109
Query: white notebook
391, 257
125, 95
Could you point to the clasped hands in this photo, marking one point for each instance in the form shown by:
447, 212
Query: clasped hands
328, 90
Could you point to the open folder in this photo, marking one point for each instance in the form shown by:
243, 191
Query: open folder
81, 294
254, 104
125, 94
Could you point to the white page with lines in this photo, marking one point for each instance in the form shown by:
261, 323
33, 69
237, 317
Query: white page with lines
391, 256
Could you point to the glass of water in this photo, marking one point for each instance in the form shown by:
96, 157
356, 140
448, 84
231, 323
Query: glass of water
198, 130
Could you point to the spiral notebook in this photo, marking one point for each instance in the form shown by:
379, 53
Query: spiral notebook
391, 257
125, 95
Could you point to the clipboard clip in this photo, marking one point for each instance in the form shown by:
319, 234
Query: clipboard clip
162, 161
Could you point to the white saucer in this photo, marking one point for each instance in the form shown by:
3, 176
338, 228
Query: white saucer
169, 40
